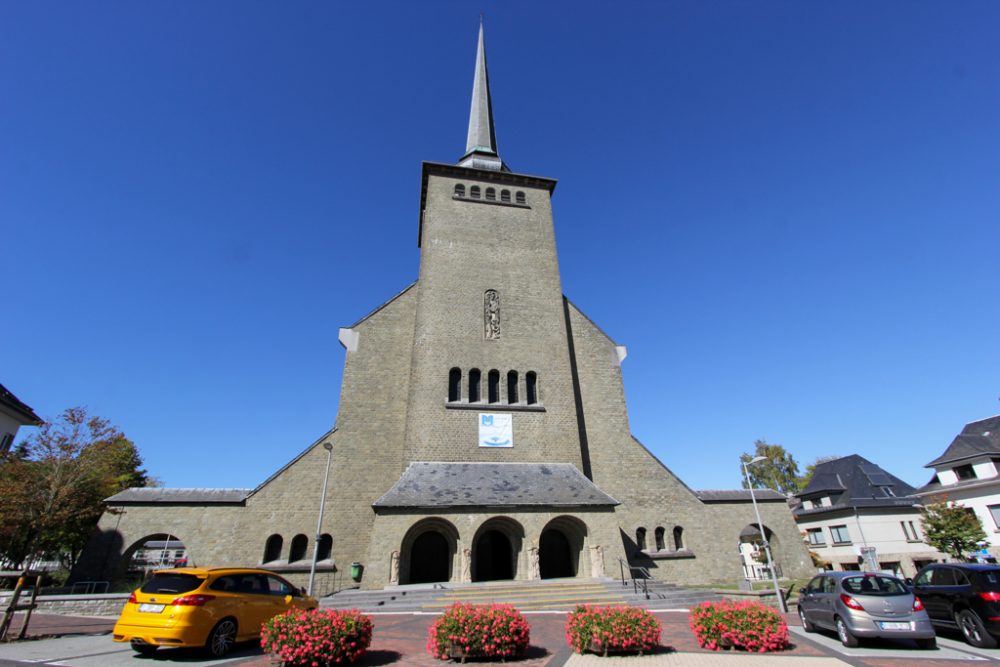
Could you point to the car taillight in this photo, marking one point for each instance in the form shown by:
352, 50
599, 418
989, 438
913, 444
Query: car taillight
851, 602
917, 604
990, 596
192, 600
132, 598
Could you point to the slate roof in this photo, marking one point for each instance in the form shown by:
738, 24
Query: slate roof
19, 407
723, 495
433, 485
178, 496
854, 482
934, 487
978, 438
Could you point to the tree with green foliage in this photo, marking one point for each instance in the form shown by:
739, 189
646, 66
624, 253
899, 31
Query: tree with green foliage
779, 472
951, 528
53, 484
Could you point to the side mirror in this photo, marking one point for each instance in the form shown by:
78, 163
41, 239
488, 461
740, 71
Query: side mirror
288, 599
908, 581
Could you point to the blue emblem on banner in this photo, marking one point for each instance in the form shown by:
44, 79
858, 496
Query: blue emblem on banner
487, 420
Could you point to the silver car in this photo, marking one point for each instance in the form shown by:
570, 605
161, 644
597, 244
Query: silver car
857, 605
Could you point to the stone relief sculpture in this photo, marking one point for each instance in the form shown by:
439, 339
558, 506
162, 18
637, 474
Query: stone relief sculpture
491, 314
534, 572
466, 565
394, 568
597, 561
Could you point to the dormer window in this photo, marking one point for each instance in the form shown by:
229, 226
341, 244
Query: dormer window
965, 472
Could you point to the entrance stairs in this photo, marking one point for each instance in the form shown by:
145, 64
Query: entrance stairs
546, 595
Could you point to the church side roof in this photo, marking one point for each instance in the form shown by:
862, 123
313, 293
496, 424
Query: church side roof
429, 484
978, 438
173, 496
738, 495
401, 293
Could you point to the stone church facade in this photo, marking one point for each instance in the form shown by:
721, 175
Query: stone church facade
482, 431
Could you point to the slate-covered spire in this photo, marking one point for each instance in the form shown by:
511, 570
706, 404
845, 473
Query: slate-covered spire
481, 147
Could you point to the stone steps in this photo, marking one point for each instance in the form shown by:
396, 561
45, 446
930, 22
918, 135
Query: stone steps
547, 595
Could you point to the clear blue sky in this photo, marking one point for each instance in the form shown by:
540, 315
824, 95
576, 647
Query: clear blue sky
788, 211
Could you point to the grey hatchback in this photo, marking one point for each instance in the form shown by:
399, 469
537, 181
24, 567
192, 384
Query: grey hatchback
856, 605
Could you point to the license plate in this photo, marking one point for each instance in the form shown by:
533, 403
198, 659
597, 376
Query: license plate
151, 608
894, 625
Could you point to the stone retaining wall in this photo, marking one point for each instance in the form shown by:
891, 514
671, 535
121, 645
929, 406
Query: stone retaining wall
109, 604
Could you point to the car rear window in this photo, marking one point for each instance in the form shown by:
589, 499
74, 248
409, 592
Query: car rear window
171, 583
874, 585
990, 580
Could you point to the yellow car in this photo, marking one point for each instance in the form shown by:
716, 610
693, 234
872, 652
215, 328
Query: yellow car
210, 607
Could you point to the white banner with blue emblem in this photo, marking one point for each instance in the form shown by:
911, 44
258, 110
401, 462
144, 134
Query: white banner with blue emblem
496, 430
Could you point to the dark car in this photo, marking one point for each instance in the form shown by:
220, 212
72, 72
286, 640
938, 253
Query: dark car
965, 596
857, 605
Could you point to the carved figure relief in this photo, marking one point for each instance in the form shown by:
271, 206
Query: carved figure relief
466, 565
491, 314
394, 568
533, 569
597, 561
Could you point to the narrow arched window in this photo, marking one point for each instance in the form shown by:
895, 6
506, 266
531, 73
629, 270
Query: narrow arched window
474, 386
512, 387
474, 192
505, 196
678, 538
658, 534
520, 197
493, 391
491, 194
325, 547
272, 548
454, 385
640, 538
531, 387
298, 549
459, 190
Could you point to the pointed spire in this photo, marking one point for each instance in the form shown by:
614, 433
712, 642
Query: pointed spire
481, 147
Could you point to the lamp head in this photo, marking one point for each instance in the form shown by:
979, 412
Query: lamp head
328, 446
756, 459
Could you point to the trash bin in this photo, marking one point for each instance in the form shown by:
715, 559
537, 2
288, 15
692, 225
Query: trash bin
356, 571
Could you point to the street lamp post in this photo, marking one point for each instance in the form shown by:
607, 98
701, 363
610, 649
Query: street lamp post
319, 522
763, 535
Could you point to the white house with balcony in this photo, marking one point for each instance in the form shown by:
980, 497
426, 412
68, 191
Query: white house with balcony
968, 472
14, 414
855, 515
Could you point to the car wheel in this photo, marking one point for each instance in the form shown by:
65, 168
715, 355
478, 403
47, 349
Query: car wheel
927, 644
142, 649
221, 638
973, 629
845, 635
806, 624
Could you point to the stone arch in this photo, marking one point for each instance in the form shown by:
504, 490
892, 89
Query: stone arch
152, 552
751, 541
560, 547
496, 549
428, 552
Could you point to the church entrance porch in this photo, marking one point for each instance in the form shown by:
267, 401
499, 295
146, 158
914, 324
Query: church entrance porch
428, 551
560, 546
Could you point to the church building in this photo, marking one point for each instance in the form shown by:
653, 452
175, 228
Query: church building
482, 431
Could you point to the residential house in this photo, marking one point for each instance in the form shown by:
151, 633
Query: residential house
14, 414
855, 515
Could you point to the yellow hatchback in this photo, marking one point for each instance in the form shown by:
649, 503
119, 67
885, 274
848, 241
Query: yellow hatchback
213, 608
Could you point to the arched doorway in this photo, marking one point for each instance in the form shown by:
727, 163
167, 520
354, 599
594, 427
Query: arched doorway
158, 551
560, 547
429, 560
554, 559
496, 550
427, 552
752, 551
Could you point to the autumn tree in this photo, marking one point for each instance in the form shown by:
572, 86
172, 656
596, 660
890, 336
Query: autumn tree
52, 486
779, 472
951, 528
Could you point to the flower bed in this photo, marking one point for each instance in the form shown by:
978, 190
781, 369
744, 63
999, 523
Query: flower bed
302, 638
612, 630
750, 626
479, 631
